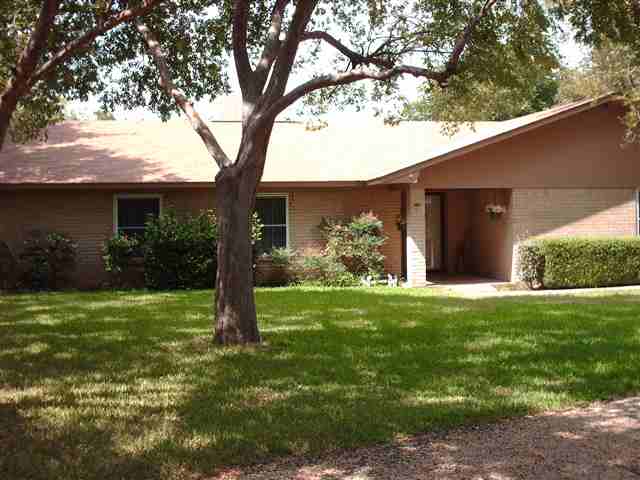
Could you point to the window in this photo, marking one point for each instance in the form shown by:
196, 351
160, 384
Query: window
273, 214
132, 211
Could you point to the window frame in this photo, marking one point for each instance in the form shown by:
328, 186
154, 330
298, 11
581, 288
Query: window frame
118, 196
287, 225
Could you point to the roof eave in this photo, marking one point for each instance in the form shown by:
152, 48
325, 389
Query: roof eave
171, 185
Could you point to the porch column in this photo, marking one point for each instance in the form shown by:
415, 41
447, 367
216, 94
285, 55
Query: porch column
416, 241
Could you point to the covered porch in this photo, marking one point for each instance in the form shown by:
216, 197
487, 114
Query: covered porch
452, 237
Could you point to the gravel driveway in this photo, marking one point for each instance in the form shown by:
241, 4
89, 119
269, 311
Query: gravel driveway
598, 442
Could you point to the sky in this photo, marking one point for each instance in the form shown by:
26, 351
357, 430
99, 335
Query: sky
571, 53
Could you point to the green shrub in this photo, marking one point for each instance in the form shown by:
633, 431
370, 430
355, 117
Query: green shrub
531, 266
118, 252
122, 256
581, 262
356, 243
282, 256
180, 253
47, 260
8, 267
175, 252
275, 269
324, 270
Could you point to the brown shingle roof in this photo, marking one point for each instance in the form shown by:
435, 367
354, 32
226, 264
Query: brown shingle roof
154, 152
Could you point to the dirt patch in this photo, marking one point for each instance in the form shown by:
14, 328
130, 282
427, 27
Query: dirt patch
601, 441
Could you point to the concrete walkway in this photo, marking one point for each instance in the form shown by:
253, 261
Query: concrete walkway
491, 289
598, 442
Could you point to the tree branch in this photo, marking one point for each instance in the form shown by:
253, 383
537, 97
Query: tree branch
27, 62
354, 57
287, 52
29, 58
465, 36
336, 79
166, 83
272, 45
386, 70
240, 22
83, 41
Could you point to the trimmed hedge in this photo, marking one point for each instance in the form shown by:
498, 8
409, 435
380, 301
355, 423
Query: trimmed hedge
580, 262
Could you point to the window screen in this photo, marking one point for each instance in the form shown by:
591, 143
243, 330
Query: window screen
273, 215
134, 212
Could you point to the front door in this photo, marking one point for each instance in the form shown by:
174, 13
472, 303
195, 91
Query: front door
434, 212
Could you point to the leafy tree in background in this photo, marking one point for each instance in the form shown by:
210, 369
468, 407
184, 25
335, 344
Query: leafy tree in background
613, 30
611, 67
470, 100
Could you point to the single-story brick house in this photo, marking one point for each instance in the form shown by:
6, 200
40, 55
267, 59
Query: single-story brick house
564, 171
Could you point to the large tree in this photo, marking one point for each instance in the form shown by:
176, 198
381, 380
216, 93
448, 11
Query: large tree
348, 42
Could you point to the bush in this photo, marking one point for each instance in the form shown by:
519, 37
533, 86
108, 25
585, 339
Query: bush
8, 267
282, 256
356, 244
180, 253
123, 260
173, 253
118, 252
325, 271
275, 269
531, 264
47, 260
581, 262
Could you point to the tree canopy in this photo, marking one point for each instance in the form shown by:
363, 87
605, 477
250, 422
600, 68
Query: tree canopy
52, 51
471, 100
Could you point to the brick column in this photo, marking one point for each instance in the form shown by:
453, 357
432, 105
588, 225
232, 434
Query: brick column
416, 233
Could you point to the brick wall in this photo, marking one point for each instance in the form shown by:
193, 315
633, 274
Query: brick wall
308, 207
491, 238
539, 213
87, 216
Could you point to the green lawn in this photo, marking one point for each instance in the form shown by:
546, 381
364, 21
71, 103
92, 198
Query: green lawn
127, 385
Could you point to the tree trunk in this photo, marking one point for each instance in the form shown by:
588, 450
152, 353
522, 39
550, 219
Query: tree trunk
8, 103
236, 321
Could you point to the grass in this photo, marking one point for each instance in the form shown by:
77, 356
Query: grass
127, 385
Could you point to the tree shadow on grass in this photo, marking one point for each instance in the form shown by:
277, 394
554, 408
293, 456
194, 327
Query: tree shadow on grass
340, 368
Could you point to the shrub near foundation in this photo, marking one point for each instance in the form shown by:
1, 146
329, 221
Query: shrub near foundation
174, 252
48, 259
580, 262
180, 253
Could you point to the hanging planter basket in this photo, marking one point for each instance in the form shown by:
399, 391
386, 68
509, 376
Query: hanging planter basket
495, 211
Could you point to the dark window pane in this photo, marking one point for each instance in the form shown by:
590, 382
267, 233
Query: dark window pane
134, 212
273, 215
272, 211
272, 237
